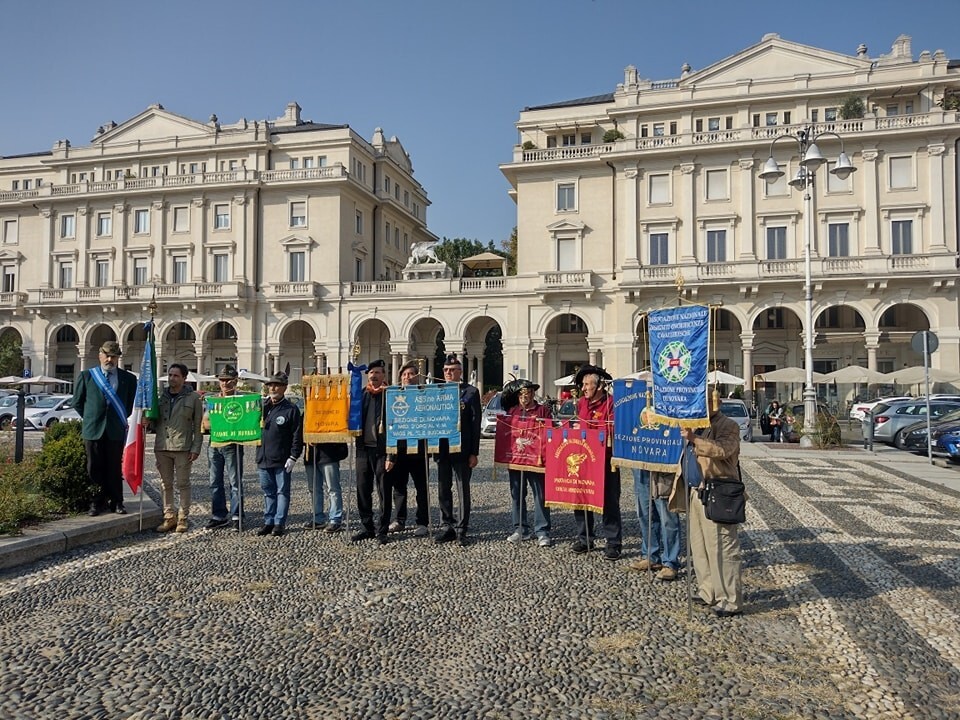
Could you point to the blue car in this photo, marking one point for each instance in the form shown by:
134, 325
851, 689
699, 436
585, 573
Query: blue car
949, 443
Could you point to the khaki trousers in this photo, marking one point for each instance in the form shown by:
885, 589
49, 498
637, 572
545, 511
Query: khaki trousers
715, 548
174, 466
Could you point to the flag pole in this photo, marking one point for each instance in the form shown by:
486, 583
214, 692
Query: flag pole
152, 307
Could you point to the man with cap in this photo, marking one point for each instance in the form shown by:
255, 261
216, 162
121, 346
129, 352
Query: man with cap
177, 445
595, 410
403, 465
225, 462
519, 401
281, 443
103, 396
458, 464
371, 458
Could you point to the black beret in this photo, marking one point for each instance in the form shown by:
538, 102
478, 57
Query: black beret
451, 360
376, 364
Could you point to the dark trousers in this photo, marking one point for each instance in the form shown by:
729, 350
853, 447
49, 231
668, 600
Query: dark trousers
404, 467
105, 468
371, 474
611, 527
448, 467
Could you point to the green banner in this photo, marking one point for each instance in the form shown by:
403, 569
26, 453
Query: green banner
234, 419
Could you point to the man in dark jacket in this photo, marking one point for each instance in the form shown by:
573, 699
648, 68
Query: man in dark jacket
461, 463
103, 396
280, 445
406, 464
371, 458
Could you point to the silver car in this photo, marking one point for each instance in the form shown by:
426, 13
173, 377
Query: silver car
890, 419
488, 421
737, 411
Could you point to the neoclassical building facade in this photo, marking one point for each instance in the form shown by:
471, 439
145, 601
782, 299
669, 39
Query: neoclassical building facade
277, 242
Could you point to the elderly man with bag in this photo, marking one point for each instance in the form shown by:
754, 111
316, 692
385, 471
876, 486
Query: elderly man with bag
713, 454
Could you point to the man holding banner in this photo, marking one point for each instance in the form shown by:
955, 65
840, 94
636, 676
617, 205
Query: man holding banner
103, 396
595, 411
459, 464
225, 461
403, 465
371, 458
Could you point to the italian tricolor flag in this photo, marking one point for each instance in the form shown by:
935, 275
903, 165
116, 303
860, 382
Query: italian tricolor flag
144, 407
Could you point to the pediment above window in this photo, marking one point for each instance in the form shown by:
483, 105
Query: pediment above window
567, 226
298, 241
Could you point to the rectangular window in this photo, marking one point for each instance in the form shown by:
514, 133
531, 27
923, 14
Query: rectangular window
771, 119
893, 110
9, 278
406, 198
68, 226
308, 163
713, 124
298, 213
729, 122
294, 163
141, 221
907, 109
566, 197
15, 185
140, 271
756, 119
220, 267
901, 172
838, 241
698, 125
716, 246
298, 266
358, 269
104, 224
658, 129
552, 141
322, 161
830, 114
779, 187
10, 231
835, 184
359, 225
181, 219
814, 115
103, 273
386, 234
566, 254
901, 237
786, 117
586, 138
386, 184
659, 253
179, 270
233, 164
65, 275
193, 168
673, 128
221, 217
716, 184
396, 237
659, 189
568, 140
396, 191
776, 243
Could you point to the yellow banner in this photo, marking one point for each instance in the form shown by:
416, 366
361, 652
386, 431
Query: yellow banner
326, 408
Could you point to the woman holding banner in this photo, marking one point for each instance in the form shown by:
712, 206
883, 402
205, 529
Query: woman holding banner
595, 410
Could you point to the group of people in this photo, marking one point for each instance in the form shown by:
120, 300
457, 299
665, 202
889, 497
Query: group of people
105, 395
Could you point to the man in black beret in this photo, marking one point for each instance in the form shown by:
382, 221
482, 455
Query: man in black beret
404, 465
459, 464
371, 458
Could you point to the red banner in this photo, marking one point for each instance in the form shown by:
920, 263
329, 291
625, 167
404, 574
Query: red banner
575, 468
519, 443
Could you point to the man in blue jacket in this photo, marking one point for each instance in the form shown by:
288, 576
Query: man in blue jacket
461, 463
281, 443
103, 396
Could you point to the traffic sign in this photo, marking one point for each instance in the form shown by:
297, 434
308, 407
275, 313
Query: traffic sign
916, 342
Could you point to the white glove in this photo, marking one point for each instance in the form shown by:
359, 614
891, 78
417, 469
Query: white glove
288, 465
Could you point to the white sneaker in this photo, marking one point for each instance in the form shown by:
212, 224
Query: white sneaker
544, 541
421, 531
518, 537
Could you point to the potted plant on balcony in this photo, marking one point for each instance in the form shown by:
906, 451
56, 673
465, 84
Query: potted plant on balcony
852, 108
612, 135
528, 145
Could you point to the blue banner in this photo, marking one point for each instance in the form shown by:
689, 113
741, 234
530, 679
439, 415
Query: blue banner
354, 421
423, 412
640, 439
679, 346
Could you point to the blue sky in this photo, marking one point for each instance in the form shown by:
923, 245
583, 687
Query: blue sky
448, 78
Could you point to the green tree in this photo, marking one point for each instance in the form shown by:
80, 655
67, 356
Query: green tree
453, 250
11, 354
510, 251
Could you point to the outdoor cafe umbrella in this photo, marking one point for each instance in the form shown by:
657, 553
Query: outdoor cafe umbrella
916, 374
565, 380
853, 374
41, 380
788, 375
719, 377
10, 379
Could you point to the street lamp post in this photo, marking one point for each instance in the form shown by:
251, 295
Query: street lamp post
810, 161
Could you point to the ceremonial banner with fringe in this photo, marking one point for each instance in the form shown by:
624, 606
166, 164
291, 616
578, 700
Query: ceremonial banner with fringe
519, 443
575, 470
356, 396
423, 412
326, 414
234, 419
679, 345
639, 439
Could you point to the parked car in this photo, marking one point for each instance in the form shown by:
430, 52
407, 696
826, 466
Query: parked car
737, 411
890, 419
794, 421
860, 409
949, 444
913, 438
488, 421
567, 410
8, 408
48, 411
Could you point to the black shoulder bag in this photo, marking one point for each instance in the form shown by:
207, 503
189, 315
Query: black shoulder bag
725, 499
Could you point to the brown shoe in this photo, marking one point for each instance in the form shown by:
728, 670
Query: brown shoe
667, 573
183, 525
167, 525
643, 565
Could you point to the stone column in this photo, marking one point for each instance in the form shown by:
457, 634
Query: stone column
746, 344
119, 269
748, 247
83, 246
240, 258
592, 356
541, 368
871, 212
46, 248
688, 252
630, 200
198, 230
936, 243
872, 341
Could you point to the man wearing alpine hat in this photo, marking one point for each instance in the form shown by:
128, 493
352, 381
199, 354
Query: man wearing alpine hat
280, 445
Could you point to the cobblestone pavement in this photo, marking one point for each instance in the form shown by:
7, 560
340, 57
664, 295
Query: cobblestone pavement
851, 576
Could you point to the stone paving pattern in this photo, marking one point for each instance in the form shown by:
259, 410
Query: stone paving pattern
851, 577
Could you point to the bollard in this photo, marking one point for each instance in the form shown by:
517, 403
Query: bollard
868, 431
21, 407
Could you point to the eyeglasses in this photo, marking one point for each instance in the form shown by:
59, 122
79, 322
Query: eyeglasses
451, 369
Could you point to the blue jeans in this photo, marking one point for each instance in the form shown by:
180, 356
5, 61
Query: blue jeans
520, 481
327, 479
664, 547
226, 463
275, 483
